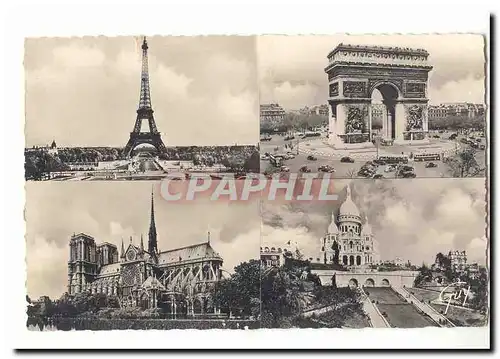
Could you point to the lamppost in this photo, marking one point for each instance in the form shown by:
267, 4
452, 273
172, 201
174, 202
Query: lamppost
377, 145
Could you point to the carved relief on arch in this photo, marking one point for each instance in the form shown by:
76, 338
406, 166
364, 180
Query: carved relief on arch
357, 118
354, 89
414, 117
415, 89
334, 89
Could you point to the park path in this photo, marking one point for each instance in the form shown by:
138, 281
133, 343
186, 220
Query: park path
376, 318
424, 307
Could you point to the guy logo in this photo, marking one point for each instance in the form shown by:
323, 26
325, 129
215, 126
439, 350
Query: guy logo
454, 296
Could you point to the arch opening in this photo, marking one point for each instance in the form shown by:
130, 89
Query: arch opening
383, 110
369, 283
385, 283
197, 306
353, 283
144, 150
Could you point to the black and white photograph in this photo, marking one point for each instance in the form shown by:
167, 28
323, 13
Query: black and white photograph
122, 257
373, 106
137, 108
387, 254
300, 190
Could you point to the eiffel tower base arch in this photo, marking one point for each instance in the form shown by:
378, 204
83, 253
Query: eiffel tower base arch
139, 138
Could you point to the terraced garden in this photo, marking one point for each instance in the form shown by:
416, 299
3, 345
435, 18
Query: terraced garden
397, 311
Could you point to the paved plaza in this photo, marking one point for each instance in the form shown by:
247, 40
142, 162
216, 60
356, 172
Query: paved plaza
325, 154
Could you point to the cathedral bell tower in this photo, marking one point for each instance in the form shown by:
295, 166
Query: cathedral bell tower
82, 264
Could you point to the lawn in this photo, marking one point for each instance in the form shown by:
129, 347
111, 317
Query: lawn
398, 312
352, 317
462, 317
423, 294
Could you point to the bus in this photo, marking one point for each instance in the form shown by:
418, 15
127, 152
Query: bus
427, 157
394, 159
276, 161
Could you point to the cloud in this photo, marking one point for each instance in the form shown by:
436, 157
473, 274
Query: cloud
46, 268
74, 56
242, 248
112, 212
86, 91
471, 89
413, 220
477, 250
287, 94
291, 68
291, 238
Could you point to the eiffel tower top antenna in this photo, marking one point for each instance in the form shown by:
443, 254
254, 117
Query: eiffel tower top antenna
145, 97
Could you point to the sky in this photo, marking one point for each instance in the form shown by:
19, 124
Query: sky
85, 91
411, 219
291, 68
55, 211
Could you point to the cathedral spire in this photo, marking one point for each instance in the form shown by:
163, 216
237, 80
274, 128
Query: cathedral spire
122, 255
152, 243
142, 244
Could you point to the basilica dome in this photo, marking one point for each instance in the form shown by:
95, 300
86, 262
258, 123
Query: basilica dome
348, 208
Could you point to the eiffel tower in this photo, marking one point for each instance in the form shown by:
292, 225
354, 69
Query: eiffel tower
144, 112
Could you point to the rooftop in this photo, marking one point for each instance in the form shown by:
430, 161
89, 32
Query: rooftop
192, 252
380, 49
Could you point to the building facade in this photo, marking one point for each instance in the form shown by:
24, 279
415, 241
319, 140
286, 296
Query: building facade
179, 280
349, 241
458, 260
466, 110
272, 257
272, 115
319, 110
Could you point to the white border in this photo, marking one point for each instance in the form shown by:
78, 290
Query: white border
256, 17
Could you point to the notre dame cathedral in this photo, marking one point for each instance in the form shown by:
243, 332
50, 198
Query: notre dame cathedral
178, 280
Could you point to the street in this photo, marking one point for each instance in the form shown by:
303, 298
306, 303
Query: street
326, 155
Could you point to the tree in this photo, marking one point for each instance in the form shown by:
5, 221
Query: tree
281, 296
456, 122
424, 276
479, 287
252, 164
464, 164
242, 290
196, 160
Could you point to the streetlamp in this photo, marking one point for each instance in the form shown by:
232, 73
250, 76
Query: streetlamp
377, 144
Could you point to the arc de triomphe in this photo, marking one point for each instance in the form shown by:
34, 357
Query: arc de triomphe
401, 76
